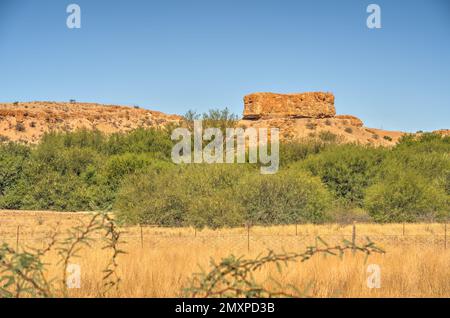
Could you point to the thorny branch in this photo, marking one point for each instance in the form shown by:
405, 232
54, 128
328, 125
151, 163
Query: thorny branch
22, 274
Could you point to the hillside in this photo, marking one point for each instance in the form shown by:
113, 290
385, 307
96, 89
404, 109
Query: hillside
299, 116
27, 122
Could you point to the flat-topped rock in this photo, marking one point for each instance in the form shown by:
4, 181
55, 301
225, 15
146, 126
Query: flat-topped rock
302, 105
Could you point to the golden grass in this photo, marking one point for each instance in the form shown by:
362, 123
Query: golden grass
415, 264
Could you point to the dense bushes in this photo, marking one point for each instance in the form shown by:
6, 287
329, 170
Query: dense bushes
284, 198
347, 170
77, 171
318, 181
291, 152
199, 195
12, 159
221, 195
413, 182
406, 197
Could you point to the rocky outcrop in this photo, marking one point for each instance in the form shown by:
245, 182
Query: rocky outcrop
352, 120
442, 132
310, 116
303, 105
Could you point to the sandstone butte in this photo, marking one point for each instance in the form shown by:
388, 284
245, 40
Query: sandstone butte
300, 116
304, 105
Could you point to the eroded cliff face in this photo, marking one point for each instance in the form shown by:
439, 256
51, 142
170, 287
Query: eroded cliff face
302, 105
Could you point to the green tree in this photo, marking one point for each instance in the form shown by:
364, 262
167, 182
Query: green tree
347, 170
405, 196
12, 159
284, 198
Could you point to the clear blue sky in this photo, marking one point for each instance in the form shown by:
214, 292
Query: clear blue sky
193, 54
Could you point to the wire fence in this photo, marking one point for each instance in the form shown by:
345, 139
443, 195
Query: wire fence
245, 238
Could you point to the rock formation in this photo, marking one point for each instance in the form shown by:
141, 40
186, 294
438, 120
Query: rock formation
442, 132
304, 105
310, 115
354, 121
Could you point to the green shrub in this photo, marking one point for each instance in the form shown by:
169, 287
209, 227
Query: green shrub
151, 199
406, 197
426, 156
347, 170
284, 198
215, 211
214, 118
65, 161
196, 195
4, 139
426, 143
12, 160
291, 152
50, 191
218, 118
221, 195
20, 127
141, 140
328, 136
117, 167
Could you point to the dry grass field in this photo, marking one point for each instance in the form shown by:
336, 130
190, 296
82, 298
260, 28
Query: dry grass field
159, 261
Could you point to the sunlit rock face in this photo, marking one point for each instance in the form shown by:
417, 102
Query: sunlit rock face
302, 105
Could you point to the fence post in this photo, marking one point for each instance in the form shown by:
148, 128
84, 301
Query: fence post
445, 235
354, 236
403, 229
142, 236
296, 232
248, 237
17, 238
